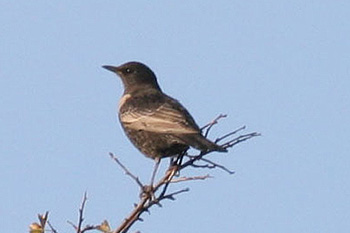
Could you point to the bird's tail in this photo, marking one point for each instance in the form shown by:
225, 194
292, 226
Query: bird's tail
201, 143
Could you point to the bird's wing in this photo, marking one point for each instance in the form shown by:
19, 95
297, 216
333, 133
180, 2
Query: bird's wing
167, 118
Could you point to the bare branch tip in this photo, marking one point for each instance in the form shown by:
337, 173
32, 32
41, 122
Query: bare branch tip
72, 224
51, 227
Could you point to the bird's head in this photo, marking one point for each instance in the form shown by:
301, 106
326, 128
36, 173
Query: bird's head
135, 76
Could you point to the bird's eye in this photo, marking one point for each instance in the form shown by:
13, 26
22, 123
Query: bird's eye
128, 70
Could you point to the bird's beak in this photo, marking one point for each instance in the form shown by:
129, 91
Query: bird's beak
114, 69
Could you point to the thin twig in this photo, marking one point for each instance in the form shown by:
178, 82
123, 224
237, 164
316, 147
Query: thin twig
182, 179
78, 227
211, 165
72, 224
81, 213
127, 172
43, 219
193, 159
240, 139
51, 227
222, 167
229, 134
89, 228
171, 195
212, 123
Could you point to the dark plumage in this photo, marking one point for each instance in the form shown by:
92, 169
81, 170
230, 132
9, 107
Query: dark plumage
158, 125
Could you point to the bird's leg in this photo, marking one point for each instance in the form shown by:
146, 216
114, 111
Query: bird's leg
175, 162
180, 158
156, 165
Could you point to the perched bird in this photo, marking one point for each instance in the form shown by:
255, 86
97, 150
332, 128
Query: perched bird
158, 125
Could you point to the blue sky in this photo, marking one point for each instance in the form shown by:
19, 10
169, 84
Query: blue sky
278, 67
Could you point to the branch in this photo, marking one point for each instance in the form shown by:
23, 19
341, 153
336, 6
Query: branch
81, 213
211, 124
182, 179
148, 199
153, 195
127, 172
240, 139
78, 227
171, 195
211, 165
133, 216
230, 134
51, 227
39, 227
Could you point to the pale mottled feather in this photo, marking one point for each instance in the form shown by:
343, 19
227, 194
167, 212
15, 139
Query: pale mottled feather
164, 119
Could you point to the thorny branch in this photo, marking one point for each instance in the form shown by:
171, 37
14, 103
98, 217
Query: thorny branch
153, 195
78, 227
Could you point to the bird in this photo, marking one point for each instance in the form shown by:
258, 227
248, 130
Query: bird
158, 125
